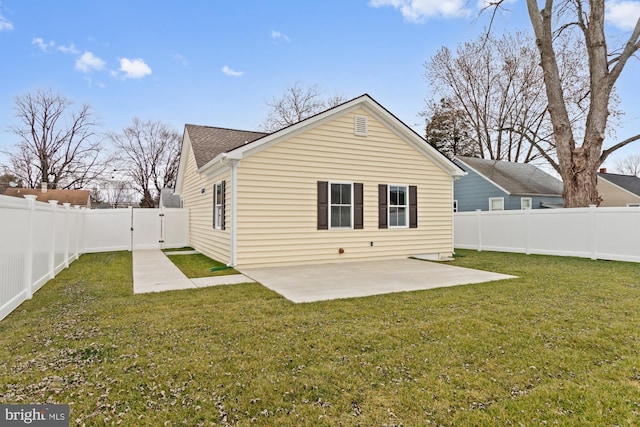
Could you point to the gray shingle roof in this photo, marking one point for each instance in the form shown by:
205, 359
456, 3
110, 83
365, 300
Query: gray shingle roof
207, 142
515, 178
630, 183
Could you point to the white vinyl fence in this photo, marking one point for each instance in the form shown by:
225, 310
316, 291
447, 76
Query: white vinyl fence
37, 240
597, 233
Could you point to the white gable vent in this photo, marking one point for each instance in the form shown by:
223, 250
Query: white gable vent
360, 125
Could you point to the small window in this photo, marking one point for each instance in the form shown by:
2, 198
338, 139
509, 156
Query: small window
525, 203
496, 204
398, 206
218, 205
341, 206
455, 206
360, 126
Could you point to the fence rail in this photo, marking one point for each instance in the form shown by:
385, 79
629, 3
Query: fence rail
597, 233
41, 239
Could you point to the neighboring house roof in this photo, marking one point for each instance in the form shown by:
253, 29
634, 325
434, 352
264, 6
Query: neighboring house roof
169, 200
630, 183
214, 147
207, 142
75, 197
515, 178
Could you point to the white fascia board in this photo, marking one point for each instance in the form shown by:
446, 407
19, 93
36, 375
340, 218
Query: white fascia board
214, 166
495, 184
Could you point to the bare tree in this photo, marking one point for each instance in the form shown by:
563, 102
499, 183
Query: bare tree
497, 86
296, 104
579, 161
56, 145
630, 165
150, 151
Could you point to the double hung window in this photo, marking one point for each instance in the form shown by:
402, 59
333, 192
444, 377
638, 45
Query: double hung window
398, 206
341, 209
218, 205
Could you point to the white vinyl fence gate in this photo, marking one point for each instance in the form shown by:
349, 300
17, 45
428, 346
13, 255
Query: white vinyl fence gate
37, 240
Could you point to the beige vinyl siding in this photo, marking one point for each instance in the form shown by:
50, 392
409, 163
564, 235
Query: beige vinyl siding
202, 235
613, 195
277, 202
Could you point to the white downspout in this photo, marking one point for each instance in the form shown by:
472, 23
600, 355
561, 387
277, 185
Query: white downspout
234, 212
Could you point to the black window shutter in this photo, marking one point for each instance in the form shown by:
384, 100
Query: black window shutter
358, 206
382, 206
223, 203
323, 205
413, 206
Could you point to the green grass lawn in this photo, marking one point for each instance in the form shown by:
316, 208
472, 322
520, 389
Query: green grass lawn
558, 346
199, 265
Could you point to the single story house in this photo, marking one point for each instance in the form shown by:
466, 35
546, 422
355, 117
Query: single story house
500, 185
351, 183
74, 197
618, 190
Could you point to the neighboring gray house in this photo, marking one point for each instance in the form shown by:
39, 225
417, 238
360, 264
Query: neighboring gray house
618, 190
169, 200
499, 185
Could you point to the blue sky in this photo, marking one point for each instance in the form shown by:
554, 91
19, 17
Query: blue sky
218, 62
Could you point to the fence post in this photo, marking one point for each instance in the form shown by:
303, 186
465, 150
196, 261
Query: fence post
79, 230
52, 247
593, 236
479, 228
28, 265
527, 236
67, 212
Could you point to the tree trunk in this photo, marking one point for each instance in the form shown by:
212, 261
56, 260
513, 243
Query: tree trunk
580, 181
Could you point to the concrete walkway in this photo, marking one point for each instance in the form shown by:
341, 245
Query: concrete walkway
154, 272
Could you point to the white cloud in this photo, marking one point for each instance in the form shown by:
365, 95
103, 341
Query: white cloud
277, 35
88, 62
5, 24
420, 10
229, 72
69, 49
623, 14
134, 68
45, 47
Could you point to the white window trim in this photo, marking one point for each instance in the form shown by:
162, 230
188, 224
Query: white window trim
217, 222
522, 200
406, 206
331, 227
492, 199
